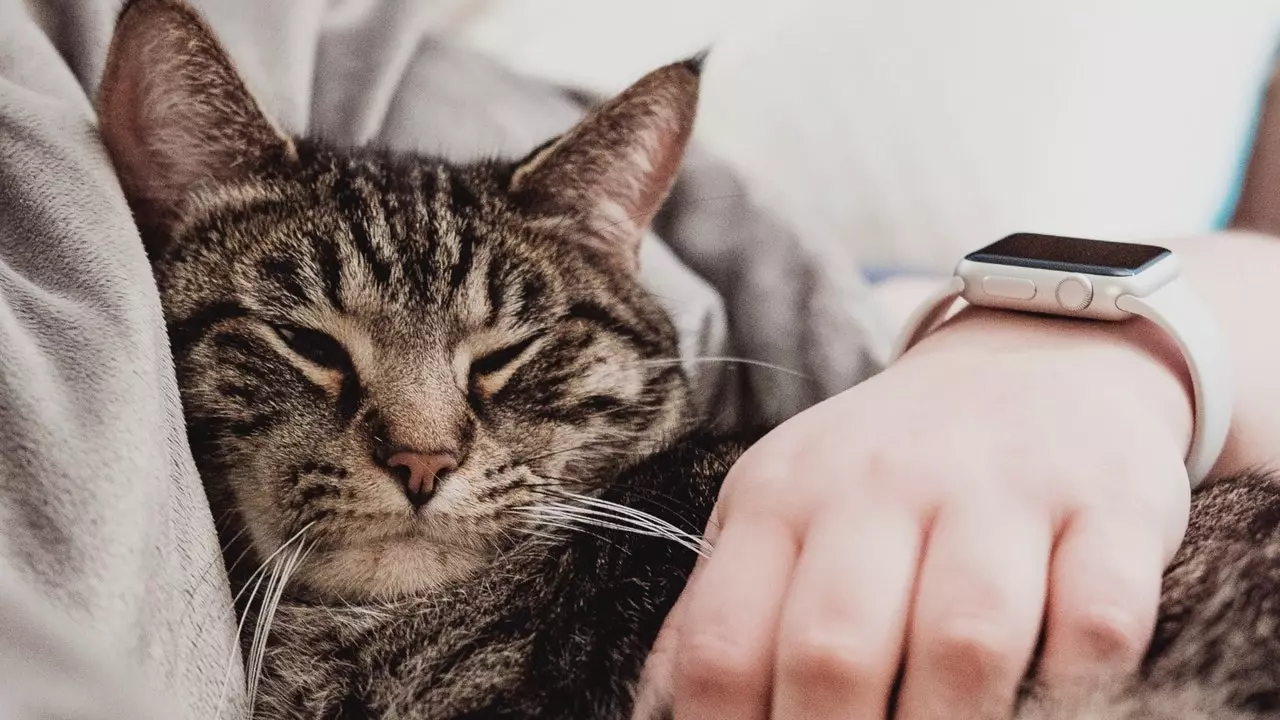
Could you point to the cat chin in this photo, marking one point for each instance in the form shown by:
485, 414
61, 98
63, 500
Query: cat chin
388, 569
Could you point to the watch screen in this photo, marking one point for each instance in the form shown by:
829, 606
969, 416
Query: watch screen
1052, 252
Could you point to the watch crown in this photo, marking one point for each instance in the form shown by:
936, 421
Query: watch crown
1074, 293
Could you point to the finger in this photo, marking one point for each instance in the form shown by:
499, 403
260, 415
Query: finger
979, 601
724, 660
841, 635
655, 690
1103, 598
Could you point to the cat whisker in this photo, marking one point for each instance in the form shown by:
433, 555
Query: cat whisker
243, 553
226, 682
727, 359
254, 581
613, 516
639, 529
281, 573
544, 535
607, 505
221, 518
577, 528
264, 567
609, 508
231, 540
662, 500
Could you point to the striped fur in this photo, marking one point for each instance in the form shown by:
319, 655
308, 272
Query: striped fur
323, 303
327, 305
463, 326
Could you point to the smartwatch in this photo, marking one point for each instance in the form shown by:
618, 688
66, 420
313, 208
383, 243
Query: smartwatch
1098, 280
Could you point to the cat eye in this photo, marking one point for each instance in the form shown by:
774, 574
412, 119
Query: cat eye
492, 362
315, 346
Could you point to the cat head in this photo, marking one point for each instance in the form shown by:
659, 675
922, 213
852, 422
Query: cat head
382, 357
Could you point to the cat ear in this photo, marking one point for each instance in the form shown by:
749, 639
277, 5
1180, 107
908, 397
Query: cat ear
613, 170
174, 113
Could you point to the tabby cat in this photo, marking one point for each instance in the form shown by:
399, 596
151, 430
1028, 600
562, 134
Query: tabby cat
427, 396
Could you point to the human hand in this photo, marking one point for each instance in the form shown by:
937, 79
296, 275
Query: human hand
1010, 474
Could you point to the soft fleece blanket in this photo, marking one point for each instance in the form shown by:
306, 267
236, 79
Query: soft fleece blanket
113, 596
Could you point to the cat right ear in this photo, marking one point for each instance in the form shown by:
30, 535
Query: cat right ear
612, 171
175, 114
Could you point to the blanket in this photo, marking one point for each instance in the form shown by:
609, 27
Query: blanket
113, 593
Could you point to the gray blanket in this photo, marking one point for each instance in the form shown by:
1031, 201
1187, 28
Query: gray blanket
113, 596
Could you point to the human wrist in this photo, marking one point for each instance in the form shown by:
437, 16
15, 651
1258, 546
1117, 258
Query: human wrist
1136, 358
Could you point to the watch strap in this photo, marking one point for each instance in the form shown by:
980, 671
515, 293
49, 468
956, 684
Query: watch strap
1181, 314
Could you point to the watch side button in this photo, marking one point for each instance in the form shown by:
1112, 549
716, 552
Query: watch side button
1008, 287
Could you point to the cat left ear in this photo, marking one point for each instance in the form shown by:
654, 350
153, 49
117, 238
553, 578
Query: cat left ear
614, 169
174, 113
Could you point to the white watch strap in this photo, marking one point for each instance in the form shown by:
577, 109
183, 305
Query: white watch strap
1177, 310
1181, 314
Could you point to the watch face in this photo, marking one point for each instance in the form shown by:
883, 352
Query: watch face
1053, 252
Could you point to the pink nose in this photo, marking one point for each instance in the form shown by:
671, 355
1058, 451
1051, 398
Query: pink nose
418, 472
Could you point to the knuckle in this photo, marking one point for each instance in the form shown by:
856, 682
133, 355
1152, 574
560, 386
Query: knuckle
904, 474
975, 653
756, 488
828, 660
896, 475
891, 461
712, 663
1109, 636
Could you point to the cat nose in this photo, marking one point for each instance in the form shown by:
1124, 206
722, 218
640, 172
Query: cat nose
419, 471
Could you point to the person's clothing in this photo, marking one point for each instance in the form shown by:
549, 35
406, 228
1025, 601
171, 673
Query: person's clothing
113, 597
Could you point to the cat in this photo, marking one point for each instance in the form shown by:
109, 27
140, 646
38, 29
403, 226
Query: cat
427, 399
